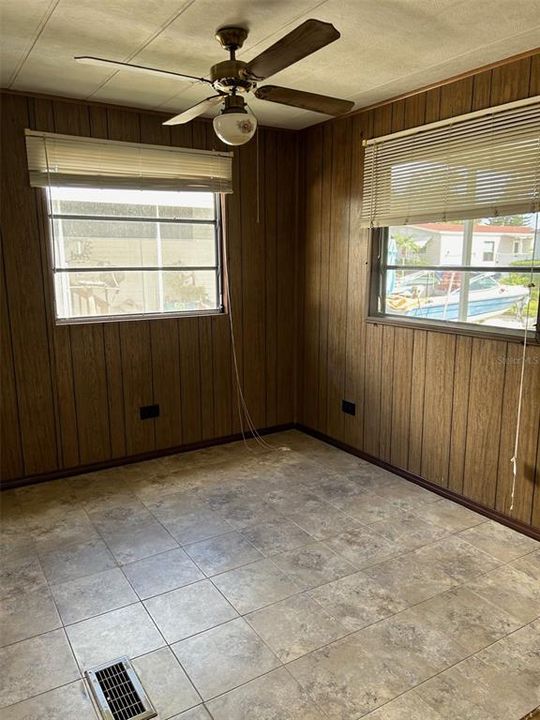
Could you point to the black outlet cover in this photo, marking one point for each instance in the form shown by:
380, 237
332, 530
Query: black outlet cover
348, 407
149, 411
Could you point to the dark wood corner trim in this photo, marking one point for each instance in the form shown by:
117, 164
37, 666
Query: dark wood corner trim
444, 492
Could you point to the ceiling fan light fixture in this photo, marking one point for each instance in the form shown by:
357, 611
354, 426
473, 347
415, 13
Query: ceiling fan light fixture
236, 124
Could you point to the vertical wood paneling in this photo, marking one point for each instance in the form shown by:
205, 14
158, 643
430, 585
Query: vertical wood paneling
460, 409
416, 422
253, 281
356, 293
437, 404
311, 266
402, 374
286, 180
484, 420
337, 272
437, 418
26, 296
11, 458
528, 435
78, 389
271, 215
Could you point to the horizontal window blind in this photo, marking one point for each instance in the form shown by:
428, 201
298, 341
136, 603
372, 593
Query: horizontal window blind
480, 165
71, 161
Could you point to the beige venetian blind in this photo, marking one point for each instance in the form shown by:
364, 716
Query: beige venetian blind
479, 165
71, 161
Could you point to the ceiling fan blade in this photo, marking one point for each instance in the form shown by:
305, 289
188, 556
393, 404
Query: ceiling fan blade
195, 111
115, 65
305, 100
308, 37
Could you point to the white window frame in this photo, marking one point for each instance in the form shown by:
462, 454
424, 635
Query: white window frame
130, 317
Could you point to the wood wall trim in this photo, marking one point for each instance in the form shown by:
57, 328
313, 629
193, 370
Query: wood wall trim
418, 480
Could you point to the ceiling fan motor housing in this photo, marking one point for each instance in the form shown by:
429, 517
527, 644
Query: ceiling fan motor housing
229, 74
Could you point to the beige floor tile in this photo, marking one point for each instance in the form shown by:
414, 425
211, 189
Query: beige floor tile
92, 595
346, 681
409, 706
166, 683
313, 565
449, 515
295, 626
122, 516
275, 696
139, 541
71, 526
253, 586
34, 666
357, 601
160, 573
407, 531
457, 558
76, 561
412, 647
197, 713
362, 547
26, 614
20, 571
500, 541
321, 520
223, 553
370, 507
410, 580
224, 657
467, 618
189, 610
187, 518
512, 590
275, 535
475, 690
127, 631
70, 702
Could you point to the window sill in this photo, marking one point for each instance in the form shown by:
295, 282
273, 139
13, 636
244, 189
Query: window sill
100, 319
486, 333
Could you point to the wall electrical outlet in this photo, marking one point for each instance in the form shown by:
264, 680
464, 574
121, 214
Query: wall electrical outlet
348, 407
149, 411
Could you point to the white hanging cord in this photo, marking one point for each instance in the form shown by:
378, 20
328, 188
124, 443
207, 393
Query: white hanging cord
515, 457
243, 411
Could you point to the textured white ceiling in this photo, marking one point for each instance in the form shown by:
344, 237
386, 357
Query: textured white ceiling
387, 47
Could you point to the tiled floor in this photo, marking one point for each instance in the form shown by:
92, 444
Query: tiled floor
291, 583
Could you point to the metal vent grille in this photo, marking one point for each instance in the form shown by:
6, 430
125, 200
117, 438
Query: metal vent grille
118, 692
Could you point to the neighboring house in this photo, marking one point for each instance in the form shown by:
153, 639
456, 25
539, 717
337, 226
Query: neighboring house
441, 243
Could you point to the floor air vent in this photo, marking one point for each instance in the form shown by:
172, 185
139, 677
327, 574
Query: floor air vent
118, 692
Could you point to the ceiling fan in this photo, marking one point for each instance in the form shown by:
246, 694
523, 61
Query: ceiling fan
232, 78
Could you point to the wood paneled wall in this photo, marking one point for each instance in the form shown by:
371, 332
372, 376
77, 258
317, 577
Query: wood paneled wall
71, 394
442, 406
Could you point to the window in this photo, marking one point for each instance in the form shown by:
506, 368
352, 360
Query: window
447, 272
453, 208
121, 253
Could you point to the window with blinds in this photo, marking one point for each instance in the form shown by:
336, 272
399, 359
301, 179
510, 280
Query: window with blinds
454, 208
135, 230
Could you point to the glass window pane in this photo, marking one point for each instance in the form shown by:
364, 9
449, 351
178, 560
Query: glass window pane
133, 203
113, 243
485, 298
132, 292
489, 242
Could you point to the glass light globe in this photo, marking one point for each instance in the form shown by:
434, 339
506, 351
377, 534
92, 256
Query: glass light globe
235, 128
